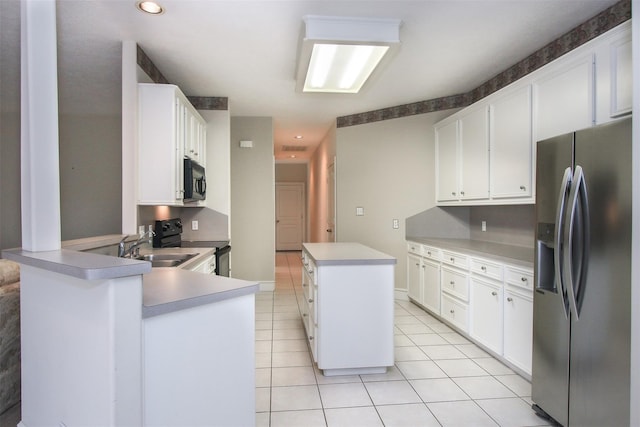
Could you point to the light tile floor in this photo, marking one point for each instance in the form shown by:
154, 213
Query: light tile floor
439, 378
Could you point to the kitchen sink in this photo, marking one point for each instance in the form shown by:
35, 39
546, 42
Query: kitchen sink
166, 260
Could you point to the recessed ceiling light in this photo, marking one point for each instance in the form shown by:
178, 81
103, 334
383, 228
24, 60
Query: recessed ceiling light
150, 7
298, 137
293, 156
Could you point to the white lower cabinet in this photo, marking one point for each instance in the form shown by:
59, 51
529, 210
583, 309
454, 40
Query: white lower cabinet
431, 286
415, 277
423, 276
488, 301
518, 317
486, 313
455, 312
335, 277
206, 266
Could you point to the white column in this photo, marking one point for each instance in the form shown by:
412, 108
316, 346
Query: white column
129, 137
39, 127
635, 236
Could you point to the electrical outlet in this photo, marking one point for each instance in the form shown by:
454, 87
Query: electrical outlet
484, 225
396, 223
194, 225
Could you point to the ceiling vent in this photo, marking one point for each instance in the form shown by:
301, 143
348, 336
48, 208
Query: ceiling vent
294, 148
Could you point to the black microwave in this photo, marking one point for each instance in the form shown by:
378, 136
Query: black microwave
195, 182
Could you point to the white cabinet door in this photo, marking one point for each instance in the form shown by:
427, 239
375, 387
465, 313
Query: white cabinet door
473, 134
564, 99
414, 277
621, 77
447, 162
431, 286
518, 328
512, 151
486, 313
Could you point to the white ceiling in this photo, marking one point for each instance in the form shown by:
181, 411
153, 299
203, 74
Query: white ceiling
246, 50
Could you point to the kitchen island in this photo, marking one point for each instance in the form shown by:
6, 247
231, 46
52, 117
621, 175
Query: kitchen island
348, 314
109, 341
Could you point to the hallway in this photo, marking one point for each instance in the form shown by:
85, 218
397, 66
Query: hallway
439, 377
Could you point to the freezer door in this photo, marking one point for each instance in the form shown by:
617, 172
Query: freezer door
600, 337
551, 327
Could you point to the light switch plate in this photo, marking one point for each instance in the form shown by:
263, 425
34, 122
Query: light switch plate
359, 211
484, 225
194, 225
396, 223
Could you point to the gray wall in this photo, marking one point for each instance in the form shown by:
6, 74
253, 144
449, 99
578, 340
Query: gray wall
291, 172
387, 168
90, 175
10, 222
252, 200
510, 224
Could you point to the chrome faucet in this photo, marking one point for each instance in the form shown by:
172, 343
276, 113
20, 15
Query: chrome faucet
134, 249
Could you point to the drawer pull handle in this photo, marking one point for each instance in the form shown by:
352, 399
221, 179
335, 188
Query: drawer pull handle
462, 193
451, 311
453, 193
310, 300
429, 253
304, 315
524, 279
510, 299
311, 338
523, 188
452, 283
452, 259
483, 268
494, 293
417, 264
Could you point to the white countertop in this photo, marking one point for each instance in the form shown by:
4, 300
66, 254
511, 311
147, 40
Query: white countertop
168, 289
164, 289
346, 253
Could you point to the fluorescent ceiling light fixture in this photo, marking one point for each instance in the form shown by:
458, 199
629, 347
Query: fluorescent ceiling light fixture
339, 54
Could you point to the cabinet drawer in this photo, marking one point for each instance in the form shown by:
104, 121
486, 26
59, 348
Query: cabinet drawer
520, 277
455, 283
431, 253
455, 312
454, 258
414, 248
486, 268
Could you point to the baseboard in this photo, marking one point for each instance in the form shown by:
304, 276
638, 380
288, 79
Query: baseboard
267, 286
400, 294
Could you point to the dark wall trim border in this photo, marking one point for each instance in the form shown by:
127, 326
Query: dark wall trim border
199, 102
149, 67
599, 24
209, 102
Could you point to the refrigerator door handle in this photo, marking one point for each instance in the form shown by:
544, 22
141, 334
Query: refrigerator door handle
575, 264
557, 239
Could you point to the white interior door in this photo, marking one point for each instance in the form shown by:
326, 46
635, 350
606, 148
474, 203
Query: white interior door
331, 203
289, 216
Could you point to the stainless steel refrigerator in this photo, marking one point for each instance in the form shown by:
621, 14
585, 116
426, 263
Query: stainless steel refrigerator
581, 304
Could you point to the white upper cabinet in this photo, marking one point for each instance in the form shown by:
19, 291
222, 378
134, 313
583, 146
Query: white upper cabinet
614, 74
447, 162
511, 145
462, 157
474, 155
491, 161
168, 127
564, 98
